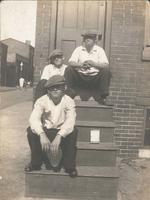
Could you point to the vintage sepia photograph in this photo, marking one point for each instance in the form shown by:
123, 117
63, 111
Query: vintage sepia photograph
74, 99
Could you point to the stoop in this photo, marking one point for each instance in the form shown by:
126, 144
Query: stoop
92, 183
96, 162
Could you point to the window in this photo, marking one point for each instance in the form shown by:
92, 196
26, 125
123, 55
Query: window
147, 128
146, 50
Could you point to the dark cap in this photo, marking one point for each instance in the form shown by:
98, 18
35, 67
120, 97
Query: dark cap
90, 34
54, 81
55, 53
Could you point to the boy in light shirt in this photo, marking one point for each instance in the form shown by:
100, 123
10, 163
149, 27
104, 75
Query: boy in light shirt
88, 68
55, 67
52, 124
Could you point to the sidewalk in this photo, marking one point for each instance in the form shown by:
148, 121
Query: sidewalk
14, 150
14, 96
4, 89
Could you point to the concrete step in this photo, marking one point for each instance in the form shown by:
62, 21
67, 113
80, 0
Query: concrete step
98, 183
106, 130
92, 111
102, 154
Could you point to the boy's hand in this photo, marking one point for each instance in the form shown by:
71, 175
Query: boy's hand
90, 63
45, 143
55, 144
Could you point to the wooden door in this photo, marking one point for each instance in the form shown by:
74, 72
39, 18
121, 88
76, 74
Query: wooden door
74, 17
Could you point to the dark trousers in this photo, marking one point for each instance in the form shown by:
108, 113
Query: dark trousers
68, 145
99, 82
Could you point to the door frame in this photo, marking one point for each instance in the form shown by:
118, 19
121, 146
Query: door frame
107, 27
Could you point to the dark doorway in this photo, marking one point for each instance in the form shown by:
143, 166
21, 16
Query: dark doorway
11, 75
147, 128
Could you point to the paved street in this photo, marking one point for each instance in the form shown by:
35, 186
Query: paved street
11, 96
14, 150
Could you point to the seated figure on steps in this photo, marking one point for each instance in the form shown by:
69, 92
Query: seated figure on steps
88, 68
51, 128
55, 67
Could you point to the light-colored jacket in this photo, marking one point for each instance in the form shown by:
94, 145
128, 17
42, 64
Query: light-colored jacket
50, 70
47, 114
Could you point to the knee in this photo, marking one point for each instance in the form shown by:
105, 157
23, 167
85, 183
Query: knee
106, 70
72, 137
30, 133
69, 70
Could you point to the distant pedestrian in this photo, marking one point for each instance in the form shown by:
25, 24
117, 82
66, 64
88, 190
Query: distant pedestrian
21, 82
22, 75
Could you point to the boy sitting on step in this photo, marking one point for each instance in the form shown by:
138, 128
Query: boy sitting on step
55, 67
52, 124
88, 69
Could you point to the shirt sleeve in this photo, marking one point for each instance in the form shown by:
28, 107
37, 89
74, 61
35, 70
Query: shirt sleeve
102, 58
35, 118
69, 123
75, 55
45, 73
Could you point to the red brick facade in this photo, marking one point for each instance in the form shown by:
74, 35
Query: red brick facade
129, 75
42, 36
130, 84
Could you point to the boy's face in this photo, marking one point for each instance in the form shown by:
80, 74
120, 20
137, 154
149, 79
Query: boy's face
58, 61
89, 42
56, 93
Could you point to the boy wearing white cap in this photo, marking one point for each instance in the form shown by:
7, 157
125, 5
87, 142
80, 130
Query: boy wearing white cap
52, 124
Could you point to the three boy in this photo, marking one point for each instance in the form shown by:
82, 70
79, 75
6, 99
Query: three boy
52, 120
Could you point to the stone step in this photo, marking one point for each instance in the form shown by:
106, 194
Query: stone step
102, 154
92, 111
85, 127
92, 183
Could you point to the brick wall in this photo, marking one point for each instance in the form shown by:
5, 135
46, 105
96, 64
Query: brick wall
131, 77
43, 23
128, 71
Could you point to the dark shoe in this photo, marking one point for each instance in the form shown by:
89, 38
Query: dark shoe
30, 168
56, 169
72, 173
48, 167
101, 101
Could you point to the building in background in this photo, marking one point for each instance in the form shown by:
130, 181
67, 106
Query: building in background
19, 62
3, 63
18, 21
